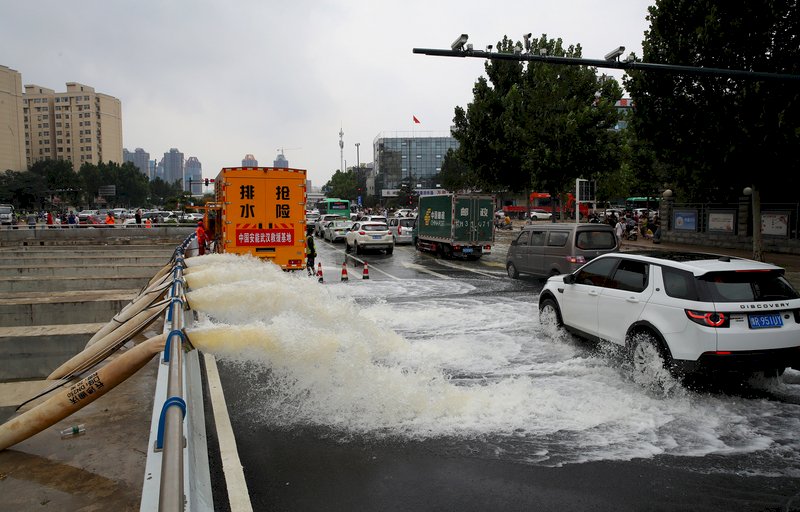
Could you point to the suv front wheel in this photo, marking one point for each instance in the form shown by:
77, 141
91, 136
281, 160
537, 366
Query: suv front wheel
549, 312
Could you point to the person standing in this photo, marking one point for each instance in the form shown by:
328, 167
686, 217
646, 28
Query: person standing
619, 229
311, 251
202, 238
138, 217
72, 220
110, 219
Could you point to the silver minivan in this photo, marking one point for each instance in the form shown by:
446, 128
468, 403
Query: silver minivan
557, 248
401, 228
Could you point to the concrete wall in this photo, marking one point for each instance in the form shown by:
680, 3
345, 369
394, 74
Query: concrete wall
23, 236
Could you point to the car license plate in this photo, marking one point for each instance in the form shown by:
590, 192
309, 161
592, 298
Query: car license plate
466, 250
765, 321
377, 237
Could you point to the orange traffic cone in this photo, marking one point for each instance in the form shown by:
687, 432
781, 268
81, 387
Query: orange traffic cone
365, 275
319, 273
344, 271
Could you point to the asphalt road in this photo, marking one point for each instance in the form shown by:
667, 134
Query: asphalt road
313, 466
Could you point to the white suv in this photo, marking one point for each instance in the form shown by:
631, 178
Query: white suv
687, 312
369, 235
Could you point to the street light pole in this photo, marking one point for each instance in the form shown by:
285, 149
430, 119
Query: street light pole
358, 158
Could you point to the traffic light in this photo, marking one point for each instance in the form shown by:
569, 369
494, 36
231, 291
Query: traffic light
206, 180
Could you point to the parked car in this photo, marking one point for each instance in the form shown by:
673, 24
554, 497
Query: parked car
83, 215
402, 228
541, 215
336, 230
680, 311
94, 220
7, 217
369, 235
551, 249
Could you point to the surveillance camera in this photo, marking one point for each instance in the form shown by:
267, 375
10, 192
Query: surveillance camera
489, 48
615, 53
527, 39
459, 43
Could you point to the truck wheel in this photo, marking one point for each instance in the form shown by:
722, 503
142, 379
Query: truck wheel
513, 273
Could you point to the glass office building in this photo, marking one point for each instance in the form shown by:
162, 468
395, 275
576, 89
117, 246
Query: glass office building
410, 157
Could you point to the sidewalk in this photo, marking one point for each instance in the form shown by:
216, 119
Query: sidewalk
790, 262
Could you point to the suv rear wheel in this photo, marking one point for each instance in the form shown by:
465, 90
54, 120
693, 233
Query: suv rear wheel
649, 364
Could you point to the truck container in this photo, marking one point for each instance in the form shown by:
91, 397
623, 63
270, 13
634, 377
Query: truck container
260, 211
455, 225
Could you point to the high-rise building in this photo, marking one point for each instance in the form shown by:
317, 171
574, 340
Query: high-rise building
173, 166
280, 161
249, 161
12, 127
140, 158
193, 183
411, 158
79, 125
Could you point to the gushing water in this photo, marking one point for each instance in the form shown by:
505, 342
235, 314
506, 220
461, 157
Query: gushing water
432, 358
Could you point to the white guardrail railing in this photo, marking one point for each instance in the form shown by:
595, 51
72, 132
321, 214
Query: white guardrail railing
177, 472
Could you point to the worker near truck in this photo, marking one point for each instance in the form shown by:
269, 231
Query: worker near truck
202, 238
311, 251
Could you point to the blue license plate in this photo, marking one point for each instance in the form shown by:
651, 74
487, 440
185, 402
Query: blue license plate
466, 250
765, 321
377, 237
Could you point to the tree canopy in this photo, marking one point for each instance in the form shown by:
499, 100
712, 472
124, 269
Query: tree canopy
538, 125
720, 134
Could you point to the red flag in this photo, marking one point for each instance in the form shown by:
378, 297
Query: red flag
416, 121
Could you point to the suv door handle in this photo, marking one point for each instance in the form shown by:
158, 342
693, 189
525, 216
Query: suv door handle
593, 293
632, 299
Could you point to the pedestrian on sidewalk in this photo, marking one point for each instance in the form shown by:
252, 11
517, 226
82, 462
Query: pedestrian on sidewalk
202, 238
311, 251
619, 230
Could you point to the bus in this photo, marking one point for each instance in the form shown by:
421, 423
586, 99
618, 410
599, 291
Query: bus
543, 201
334, 206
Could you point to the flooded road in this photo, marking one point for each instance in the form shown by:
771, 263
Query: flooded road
438, 377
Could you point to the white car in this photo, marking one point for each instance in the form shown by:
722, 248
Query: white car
541, 215
369, 235
336, 230
690, 313
319, 224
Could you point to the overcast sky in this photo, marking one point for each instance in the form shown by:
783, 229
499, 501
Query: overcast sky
218, 80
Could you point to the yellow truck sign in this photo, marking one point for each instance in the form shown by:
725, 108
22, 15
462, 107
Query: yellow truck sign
262, 212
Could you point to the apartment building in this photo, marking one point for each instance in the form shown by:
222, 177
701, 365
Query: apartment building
79, 125
12, 130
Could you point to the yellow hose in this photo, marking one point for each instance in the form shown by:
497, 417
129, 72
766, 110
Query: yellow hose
145, 299
104, 347
80, 394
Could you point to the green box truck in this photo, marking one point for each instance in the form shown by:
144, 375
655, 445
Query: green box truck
455, 225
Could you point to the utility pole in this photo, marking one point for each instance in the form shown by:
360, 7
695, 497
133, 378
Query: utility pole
341, 149
358, 159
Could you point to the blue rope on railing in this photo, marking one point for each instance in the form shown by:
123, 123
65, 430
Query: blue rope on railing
168, 344
169, 310
170, 402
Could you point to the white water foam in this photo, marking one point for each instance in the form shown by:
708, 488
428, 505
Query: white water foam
429, 358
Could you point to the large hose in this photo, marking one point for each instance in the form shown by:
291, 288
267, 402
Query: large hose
80, 394
104, 347
147, 297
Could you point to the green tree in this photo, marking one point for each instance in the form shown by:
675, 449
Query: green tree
455, 174
61, 181
342, 185
161, 192
719, 134
25, 190
539, 125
